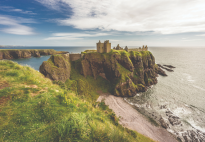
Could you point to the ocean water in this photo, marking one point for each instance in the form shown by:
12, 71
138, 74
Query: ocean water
182, 91
36, 62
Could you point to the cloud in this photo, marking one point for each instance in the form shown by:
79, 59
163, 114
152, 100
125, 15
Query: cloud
14, 25
201, 35
12, 9
159, 16
191, 39
52, 4
74, 36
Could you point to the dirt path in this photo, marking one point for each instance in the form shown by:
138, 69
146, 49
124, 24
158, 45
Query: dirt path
131, 118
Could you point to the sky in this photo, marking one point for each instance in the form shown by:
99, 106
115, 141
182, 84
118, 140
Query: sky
159, 23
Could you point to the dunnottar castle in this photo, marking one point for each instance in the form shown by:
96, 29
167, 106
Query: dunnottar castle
106, 48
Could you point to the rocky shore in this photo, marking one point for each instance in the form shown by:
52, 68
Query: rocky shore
173, 123
132, 119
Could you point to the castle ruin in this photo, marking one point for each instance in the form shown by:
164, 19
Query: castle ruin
103, 47
144, 48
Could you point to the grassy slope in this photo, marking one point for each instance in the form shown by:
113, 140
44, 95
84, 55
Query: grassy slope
32, 108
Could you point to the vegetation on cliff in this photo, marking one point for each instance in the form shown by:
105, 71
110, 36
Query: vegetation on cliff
128, 72
57, 67
26, 53
32, 108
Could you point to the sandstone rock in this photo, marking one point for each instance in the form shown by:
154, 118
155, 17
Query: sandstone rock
56, 68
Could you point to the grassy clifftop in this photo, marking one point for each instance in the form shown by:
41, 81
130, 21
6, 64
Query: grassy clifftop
32, 108
26, 53
128, 72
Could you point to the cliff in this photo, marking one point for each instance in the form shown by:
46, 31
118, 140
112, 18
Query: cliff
56, 68
26, 53
126, 72
32, 108
129, 72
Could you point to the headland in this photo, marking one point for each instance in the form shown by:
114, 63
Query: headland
62, 101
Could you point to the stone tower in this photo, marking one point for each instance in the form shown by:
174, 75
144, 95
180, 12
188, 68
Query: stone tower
103, 47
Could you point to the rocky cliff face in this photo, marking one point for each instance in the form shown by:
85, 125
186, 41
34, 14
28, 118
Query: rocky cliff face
57, 67
16, 54
129, 72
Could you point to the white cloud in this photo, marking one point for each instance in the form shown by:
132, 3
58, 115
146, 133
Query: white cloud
74, 36
160, 16
201, 35
191, 39
12, 9
14, 25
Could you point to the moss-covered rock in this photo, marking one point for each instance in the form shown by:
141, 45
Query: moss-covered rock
57, 67
130, 72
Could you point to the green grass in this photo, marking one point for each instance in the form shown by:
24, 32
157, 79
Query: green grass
35, 109
87, 87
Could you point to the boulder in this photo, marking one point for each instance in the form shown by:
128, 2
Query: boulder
163, 123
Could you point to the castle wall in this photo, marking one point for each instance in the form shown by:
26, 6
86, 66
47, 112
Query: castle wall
100, 47
137, 49
107, 47
74, 57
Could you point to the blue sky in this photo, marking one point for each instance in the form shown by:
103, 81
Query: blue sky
164, 23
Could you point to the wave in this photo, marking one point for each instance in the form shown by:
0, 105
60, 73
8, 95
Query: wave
193, 124
189, 77
198, 87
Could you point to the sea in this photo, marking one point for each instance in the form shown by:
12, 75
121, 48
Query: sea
182, 92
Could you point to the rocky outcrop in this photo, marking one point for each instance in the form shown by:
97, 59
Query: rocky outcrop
27, 53
174, 120
160, 71
191, 136
129, 72
163, 123
170, 70
36, 54
169, 66
57, 67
